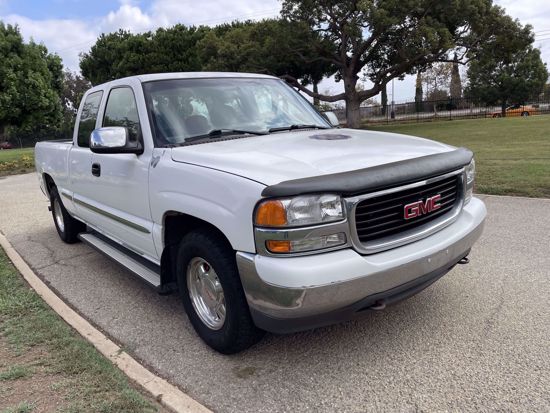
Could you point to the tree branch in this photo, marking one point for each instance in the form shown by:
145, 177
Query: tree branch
327, 98
368, 93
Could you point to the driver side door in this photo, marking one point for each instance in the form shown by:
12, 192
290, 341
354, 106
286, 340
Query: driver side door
121, 184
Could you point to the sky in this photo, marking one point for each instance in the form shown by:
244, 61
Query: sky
70, 27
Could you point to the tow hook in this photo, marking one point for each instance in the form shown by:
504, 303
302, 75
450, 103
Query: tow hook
464, 261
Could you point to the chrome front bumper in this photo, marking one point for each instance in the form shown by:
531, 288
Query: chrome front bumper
292, 294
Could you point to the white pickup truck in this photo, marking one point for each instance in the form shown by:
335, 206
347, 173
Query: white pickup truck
264, 214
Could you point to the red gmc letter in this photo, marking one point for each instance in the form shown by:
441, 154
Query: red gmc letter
419, 208
434, 202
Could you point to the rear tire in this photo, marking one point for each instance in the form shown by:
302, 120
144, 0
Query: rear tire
67, 227
525, 114
208, 279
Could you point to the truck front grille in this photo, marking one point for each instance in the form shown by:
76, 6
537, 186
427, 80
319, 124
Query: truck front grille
384, 215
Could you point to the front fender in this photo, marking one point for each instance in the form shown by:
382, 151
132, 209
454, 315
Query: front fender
224, 200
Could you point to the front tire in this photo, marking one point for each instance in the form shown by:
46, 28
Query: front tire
212, 293
525, 114
67, 227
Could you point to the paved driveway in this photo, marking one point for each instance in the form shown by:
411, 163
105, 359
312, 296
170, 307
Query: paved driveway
478, 339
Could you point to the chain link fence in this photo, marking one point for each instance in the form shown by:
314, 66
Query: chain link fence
27, 139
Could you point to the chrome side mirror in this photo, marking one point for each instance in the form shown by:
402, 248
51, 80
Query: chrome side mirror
332, 118
113, 139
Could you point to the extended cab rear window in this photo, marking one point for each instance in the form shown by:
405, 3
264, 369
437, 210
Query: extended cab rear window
88, 118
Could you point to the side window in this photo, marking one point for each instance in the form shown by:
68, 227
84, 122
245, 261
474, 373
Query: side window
88, 118
121, 110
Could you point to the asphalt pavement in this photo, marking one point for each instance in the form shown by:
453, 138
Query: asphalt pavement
478, 339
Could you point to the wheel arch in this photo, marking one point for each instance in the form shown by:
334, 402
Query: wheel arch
175, 226
49, 183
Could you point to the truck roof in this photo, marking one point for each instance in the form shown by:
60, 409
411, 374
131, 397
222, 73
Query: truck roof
186, 75
197, 75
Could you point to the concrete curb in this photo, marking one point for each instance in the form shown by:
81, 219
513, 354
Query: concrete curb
513, 196
166, 394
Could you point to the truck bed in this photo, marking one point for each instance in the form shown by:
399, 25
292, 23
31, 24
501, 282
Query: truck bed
52, 158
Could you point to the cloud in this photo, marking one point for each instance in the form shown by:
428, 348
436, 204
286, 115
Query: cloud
167, 12
67, 37
70, 37
127, 17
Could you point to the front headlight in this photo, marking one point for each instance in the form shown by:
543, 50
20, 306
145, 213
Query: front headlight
299, 211
470, 175
291, 225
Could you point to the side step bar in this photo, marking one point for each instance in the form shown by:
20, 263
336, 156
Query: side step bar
149, 272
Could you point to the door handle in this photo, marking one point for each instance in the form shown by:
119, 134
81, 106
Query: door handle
96, 169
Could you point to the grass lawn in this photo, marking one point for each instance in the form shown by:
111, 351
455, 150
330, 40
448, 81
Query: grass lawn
512, 154
16, 161
46, 366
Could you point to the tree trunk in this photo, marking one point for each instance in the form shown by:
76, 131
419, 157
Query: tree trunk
353, 112
384, 100
419, 93
316, 101
503, 109
353, 102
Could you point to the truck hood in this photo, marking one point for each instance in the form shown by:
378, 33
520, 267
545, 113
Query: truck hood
278, 157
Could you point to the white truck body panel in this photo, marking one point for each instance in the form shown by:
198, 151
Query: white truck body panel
228, 202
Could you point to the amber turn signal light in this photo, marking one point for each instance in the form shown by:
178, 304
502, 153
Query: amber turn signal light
271, 214
278, 247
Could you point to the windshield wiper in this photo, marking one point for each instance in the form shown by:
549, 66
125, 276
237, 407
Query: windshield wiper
216, 133
296, 127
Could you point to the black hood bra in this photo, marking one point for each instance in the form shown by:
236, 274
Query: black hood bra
375, 178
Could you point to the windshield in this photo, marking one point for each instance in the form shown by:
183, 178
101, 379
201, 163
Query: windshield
189, 108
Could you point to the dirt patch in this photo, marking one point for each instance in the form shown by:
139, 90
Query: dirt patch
38, 387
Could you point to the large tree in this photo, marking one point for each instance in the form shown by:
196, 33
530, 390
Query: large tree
73, 88
30, 83
272, 46
437, 78
383, 40
175, 49
116, 55
503, 83
100, 63
455, 87
122, 53
508, 69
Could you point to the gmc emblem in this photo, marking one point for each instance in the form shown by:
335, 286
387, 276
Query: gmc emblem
420, 208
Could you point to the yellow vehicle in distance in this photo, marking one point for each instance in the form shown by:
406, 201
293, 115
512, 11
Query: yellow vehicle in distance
517, 110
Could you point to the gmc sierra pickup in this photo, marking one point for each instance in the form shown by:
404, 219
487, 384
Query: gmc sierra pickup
266, 216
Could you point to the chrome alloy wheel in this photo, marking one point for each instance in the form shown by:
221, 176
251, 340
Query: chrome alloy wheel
58, 214
206, 293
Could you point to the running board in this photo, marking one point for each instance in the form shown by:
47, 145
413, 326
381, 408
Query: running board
149, 272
